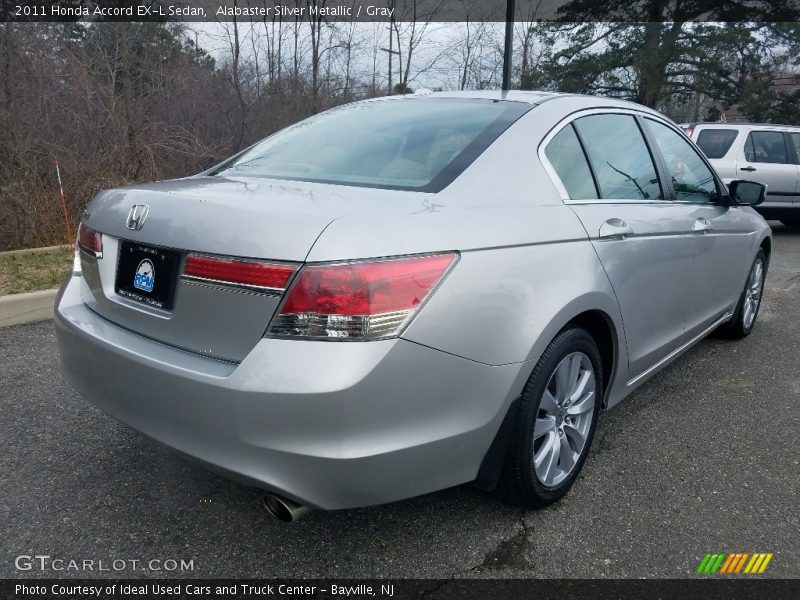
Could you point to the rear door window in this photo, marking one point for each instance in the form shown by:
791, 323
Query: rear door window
715, 143
566, 155
766, 147
620, 157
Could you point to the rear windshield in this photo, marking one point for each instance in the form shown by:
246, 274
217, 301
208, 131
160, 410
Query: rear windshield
419, 144
715, 143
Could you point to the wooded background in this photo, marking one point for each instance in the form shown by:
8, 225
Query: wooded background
119, 103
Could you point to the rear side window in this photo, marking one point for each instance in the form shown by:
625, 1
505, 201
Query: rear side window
407, 144
692, 179
715, 143
619, 156
766, 147
566, 155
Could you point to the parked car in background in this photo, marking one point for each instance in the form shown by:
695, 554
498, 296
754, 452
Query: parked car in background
410, 293
769, 154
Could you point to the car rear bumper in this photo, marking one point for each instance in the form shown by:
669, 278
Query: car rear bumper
328, 424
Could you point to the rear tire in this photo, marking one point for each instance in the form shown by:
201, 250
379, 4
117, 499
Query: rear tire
744, 317
555, 423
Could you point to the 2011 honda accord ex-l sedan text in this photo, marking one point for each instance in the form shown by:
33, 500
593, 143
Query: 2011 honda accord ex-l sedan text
405, 294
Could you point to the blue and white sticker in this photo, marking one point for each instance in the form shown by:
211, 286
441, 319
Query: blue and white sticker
145, 277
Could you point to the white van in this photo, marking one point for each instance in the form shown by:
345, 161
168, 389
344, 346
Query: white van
768, 154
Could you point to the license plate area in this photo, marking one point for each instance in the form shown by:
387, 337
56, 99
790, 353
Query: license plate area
147, 274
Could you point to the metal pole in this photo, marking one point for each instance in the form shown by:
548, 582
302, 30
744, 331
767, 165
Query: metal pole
509, 45
391, 52
67, 224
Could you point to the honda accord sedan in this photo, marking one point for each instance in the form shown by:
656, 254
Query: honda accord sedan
405, 294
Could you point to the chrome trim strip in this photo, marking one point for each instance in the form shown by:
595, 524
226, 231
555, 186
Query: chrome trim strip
617, 201
682, 348
255, 289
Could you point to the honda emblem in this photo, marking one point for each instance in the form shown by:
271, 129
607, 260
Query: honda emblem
136, 216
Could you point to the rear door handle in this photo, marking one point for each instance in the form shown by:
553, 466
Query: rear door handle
747, 168
701, 225
615, 229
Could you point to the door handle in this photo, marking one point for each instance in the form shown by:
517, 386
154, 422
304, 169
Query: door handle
615, 229
701, 225
748, 168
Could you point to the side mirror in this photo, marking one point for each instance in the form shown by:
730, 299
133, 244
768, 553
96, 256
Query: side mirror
746, 193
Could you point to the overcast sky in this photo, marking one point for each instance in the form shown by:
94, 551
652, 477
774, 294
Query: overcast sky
436, 54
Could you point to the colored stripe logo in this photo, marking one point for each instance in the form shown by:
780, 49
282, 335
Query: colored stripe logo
734, 563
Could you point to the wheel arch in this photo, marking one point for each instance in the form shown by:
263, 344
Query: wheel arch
598, 313
766, 246
609, 337
600, 326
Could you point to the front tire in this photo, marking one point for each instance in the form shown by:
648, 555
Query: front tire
555, 423
744, 317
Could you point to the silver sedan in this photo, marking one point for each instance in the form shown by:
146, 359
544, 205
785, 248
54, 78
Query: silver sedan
406, 294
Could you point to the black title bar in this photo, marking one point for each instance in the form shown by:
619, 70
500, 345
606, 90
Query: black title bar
399, 589
399, 10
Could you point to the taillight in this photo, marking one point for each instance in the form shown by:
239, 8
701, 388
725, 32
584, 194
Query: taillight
358, 301
90, 241
253, 274
689, 131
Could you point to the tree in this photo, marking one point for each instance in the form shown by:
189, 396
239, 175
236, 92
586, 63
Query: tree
413, 23
667, 49
401, 88
115, 103
467, 51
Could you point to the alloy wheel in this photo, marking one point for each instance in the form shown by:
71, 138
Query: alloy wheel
752, 293
564, 419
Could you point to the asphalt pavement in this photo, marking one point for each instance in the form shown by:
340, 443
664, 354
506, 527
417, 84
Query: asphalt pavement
702, 458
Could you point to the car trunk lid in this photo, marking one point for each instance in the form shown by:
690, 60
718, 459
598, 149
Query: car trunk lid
256, 222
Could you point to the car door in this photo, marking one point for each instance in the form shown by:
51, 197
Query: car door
767, 158
643, 240
720, 234
720, 145
794, 139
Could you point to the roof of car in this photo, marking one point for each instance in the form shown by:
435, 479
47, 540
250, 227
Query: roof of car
531, 97
737, 124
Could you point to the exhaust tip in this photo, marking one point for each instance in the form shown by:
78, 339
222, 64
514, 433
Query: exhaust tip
283, 509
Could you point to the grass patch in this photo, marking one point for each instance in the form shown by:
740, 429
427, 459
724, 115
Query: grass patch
33, 271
